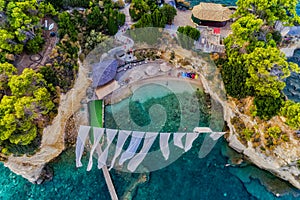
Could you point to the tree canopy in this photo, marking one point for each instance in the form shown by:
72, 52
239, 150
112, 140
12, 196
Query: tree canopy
26, 83
266, 107
267, 67
269, 10
106, 20
66, 26
6, 71
22, 17
158, 17
19, 112
189, 31
187, 36
138, 8
234, 75
291, 111
244, 29
254, 66
169, 12
59, 4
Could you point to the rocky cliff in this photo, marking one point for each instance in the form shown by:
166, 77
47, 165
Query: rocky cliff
281, 161
32, 167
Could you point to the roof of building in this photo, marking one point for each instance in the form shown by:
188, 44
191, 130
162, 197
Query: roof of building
104, 72
211, 12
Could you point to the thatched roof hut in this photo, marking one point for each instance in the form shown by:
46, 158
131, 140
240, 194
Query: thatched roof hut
104, 72
211, 14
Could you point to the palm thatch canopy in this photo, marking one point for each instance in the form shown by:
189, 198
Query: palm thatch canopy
104, 72
211, 12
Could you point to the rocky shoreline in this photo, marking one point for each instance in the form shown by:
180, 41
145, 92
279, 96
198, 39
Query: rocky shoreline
33, 168
271, 164
264, 162
282, 164
53, 143
274, 165
289, 51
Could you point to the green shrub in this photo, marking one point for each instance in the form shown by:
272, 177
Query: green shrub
58, 4
267, 107
247, 134
35, 45
291, 111
274, 132
49, 75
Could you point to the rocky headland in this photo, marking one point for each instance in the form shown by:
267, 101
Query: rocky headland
33, 168
281, 160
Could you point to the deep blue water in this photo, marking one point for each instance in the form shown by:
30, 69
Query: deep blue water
187, 178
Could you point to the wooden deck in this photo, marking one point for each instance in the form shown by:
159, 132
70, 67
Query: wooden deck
103, 91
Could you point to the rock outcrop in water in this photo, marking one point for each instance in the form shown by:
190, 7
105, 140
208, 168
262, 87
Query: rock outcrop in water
281, 162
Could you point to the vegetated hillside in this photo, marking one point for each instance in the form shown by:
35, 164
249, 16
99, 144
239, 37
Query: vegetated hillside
254, 68
30, 90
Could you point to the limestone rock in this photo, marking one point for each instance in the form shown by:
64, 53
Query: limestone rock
31, 167
236, 144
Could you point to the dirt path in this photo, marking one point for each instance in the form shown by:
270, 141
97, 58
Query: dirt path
39, 59
128, 20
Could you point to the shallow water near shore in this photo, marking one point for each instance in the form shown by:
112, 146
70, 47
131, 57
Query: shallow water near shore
189, 177
192, 178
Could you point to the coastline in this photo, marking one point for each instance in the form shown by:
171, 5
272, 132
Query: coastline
256, 158
213, 177
229, 111
261, 161
31, 167
126, 91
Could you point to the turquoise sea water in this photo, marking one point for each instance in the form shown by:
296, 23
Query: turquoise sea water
193, 178
187, 178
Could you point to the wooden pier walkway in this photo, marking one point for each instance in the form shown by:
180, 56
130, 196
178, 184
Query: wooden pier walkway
109, 183
108, 180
